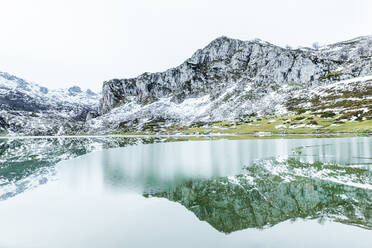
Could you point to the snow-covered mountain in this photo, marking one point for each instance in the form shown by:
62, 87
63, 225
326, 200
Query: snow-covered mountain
226, 80
352, 98
230, 78
27, 108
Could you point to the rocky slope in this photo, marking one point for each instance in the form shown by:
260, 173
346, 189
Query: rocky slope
27, 108
229, 79
351, 98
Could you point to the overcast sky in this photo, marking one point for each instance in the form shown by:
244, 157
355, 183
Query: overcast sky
62, 43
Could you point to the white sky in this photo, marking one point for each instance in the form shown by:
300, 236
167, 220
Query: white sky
62, 43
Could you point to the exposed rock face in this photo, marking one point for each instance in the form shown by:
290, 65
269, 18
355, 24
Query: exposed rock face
27, 108
230, 78
226, 80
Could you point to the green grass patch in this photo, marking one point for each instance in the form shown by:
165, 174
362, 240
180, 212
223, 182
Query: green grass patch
3, 134
297, 124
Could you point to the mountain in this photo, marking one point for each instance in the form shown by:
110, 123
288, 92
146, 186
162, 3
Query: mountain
227, 80
231, 79
27, 108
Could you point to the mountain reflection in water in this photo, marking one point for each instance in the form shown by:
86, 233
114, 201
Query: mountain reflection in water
265, 196
230, 184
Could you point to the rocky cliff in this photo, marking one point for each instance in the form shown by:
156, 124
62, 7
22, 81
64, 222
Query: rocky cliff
231, 78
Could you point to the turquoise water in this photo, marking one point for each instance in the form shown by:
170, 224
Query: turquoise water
222, 193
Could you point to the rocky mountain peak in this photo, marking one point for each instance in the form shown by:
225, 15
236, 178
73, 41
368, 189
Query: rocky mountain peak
74, 90
90, 92
226, 80
26, 107
230, 78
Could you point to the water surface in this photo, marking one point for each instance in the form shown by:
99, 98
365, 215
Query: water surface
221, 193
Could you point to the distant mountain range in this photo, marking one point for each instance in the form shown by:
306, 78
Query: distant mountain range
229, 79
30, 109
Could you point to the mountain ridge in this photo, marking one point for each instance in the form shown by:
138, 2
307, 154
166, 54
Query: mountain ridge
252, 73
228, 79
28, 108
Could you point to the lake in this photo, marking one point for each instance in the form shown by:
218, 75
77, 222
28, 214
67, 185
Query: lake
127, 192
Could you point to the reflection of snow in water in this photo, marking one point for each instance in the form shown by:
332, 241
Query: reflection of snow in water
155, 166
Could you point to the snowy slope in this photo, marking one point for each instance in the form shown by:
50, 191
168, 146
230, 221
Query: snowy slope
18, 94
352, 98
27, 108
229, 79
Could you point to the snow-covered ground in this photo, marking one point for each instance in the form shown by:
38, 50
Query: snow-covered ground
30, 109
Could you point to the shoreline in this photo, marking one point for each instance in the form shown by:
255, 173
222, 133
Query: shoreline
222, 135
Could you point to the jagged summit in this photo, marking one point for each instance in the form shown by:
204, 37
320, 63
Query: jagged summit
230, 78
13, 78
223, 47
74, 90
26, 107
226, 80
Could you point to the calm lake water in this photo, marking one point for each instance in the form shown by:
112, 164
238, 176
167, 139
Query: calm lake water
213, 193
